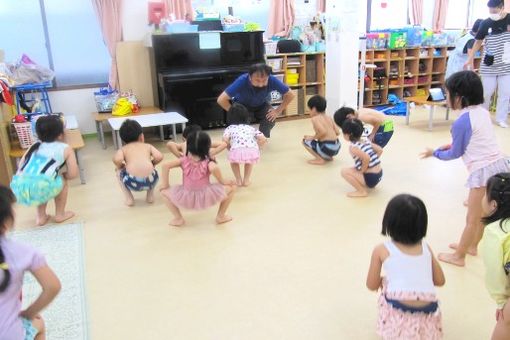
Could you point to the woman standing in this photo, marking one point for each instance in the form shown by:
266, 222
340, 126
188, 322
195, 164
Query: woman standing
495, 66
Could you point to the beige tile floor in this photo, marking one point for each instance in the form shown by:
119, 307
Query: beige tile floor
292, 263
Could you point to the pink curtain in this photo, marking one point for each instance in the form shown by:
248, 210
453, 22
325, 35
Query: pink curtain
321, 6
109, 15
281, 18
417, 14
439, 18
182, 9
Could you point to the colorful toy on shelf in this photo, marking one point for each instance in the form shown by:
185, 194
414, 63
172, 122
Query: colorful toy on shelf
414, 36
427, 38
398, 39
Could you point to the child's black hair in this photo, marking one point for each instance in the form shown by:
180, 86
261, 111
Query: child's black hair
341, 114
198, 144
130, 131
48, 129
467, 86
189, 129
317, 102
238, 114
7, 199
498, 189
405, 219
353, 128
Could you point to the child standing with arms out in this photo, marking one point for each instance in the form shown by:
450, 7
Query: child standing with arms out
382, 126
496, 250
324, 144
408, 307
135, 162
367, 171
196, 192
179, 149
16, 259
475, 141
243, 142
41, 174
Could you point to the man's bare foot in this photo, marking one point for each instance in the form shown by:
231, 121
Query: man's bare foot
223, 219
454, 259
316, 161
357, 194
470, 251
150, 196
246, 183
40, 221
61, 218
177, 222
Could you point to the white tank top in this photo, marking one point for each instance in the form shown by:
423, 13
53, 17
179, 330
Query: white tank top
408, 273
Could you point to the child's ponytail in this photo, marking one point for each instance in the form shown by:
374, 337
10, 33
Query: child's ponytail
7, 199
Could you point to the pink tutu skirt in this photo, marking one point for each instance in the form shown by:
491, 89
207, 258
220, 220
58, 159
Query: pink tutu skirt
244, 155
196, 199
395, 324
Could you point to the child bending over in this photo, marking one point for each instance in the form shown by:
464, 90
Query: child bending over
324, 144
44, 171
382, 126
135, 162
367, 171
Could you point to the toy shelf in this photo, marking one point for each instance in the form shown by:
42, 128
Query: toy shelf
311, 81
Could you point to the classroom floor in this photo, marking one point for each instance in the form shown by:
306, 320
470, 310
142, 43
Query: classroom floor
292, 263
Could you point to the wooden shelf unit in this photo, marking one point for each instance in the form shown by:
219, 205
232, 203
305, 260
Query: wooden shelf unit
311, 70
407, 70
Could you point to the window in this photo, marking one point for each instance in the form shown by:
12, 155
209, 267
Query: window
78, 53
479, 10
457, 15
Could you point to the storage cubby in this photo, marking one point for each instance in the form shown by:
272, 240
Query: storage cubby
407, 71
310, 68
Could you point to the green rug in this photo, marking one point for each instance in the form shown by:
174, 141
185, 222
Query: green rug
62, 245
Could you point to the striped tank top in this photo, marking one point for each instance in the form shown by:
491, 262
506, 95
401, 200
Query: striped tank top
366, 147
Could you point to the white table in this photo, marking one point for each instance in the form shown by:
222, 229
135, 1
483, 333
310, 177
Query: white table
149, 120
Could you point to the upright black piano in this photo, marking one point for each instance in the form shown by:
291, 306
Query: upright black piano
193, 69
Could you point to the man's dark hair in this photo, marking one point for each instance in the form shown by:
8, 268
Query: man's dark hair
495, 3
261, 68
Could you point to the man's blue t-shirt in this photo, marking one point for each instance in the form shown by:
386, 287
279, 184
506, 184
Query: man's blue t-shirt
242, 91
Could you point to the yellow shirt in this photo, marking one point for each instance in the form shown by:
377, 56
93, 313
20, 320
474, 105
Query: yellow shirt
496, 253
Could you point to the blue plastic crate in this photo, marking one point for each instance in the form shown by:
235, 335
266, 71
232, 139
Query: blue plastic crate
233, 27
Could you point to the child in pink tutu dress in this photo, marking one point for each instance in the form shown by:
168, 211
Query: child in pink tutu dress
196, 191
408, 306
243, 141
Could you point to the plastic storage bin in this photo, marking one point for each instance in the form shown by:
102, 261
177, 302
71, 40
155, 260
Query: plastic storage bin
271, 47
414, 36
276, 64
233, 27
398, 39
25, 135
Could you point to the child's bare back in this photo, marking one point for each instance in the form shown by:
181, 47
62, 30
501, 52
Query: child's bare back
138, 158
325, 128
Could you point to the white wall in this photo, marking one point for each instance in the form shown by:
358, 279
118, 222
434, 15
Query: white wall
76, 102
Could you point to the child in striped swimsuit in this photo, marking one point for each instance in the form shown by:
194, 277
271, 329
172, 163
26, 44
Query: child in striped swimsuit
367, 171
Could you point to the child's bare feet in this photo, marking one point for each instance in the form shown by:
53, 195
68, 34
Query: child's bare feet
61, 218
150, 196
246, 183
454, 259
465, 203
357, 194
42, 220
177, 222
223, 219
239, 182
130, 200
471, 251
316, 161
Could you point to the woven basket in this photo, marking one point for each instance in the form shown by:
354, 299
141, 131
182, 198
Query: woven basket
25, 135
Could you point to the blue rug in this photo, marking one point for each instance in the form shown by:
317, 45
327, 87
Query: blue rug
62, 245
